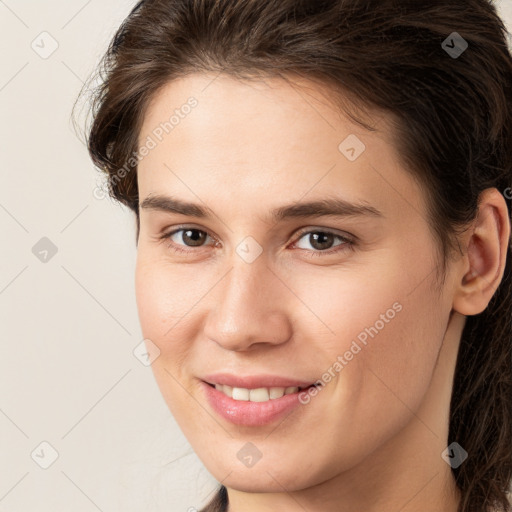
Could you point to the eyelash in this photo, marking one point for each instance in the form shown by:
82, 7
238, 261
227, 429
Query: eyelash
347, 245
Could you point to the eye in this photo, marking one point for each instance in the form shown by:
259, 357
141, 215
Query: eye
323, 241
185, 236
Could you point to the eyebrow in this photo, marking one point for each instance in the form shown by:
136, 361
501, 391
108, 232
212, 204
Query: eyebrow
333, 207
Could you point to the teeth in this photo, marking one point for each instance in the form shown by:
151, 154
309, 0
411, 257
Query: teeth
259, 395
276, 392
240, 394
255, 395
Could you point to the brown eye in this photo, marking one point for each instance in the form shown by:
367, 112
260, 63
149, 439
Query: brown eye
181, 238
321, 241
193, 237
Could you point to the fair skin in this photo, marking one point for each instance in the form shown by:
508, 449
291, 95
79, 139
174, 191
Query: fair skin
372, 438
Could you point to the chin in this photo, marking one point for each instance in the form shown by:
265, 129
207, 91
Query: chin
264, 482
266, 477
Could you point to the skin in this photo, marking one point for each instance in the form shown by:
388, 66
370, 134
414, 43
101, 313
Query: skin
372, 438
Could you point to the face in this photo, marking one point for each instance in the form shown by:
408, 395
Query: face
249, 288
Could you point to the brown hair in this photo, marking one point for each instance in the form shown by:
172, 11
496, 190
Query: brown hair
453, 119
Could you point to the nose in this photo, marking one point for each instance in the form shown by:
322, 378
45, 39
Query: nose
250, 309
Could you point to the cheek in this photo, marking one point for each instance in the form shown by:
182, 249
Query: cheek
385, 383
165, 294
162, 306
388, 331
383, 325
163, 301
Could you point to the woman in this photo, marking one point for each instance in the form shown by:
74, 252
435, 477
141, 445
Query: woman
322, 190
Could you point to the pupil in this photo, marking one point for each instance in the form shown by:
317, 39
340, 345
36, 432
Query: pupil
321, 239
196, 240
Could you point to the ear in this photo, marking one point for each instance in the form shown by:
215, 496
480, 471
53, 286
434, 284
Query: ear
485, 251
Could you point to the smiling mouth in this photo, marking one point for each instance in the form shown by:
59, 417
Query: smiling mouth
265, 400
263, 394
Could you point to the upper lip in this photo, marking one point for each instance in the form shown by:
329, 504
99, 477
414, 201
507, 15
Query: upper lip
255, 381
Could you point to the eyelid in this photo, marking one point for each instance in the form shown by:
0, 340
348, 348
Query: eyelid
318, 229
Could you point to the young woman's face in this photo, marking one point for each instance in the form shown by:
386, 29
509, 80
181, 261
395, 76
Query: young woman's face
240, 283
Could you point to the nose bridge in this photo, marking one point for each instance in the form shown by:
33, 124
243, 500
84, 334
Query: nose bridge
248, 309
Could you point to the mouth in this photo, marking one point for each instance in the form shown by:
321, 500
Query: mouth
259, 394
254, 400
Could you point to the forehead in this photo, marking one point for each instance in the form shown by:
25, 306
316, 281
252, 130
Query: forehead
264, 105
261, 139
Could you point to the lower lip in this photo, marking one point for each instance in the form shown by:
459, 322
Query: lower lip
245, 412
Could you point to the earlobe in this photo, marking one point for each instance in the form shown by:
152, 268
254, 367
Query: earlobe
483, 264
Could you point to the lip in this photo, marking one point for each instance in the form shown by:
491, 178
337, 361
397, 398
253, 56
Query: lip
255, 381
247, 413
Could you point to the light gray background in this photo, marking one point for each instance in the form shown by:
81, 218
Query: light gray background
69, 326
